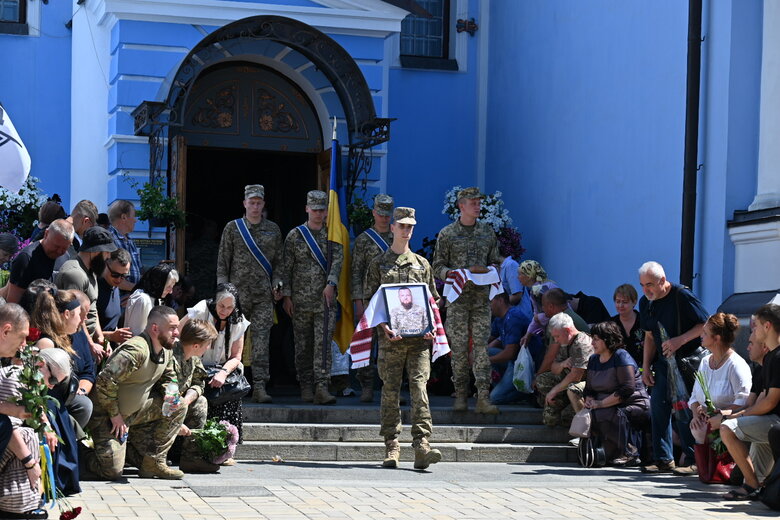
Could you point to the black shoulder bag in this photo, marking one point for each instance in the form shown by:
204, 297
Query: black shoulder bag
689, 364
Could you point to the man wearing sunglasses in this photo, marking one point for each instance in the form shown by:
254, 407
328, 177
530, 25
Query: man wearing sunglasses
118, 267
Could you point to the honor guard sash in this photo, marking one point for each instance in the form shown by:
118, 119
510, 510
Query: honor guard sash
314, 247
254, 248
377, 238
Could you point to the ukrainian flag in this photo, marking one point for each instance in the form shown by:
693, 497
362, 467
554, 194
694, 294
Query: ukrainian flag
337, 232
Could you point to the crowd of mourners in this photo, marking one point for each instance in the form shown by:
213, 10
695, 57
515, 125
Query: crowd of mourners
134, 369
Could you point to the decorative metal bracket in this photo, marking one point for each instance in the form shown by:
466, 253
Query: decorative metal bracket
470, 26
146, 117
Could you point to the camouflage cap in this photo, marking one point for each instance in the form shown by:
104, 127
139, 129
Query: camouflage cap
403, 215
254, 190
317, 199
470, 193
383, 205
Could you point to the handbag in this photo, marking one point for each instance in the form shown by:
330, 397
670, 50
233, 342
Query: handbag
580, 424
236, 386
590, 452
713, 468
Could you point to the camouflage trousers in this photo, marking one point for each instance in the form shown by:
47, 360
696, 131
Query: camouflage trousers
150, 434
195, 418
469, 317
261, 318
560, 412
412, 354
309, 331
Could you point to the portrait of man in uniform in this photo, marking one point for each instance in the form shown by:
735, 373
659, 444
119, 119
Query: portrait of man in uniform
408, 310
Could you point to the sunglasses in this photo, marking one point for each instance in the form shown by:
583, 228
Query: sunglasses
114, 274
53, 381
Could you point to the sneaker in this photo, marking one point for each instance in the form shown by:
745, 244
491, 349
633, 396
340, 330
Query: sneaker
686, 471
575, 442
659, 467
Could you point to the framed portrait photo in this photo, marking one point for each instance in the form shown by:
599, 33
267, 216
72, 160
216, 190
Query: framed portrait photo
408, 312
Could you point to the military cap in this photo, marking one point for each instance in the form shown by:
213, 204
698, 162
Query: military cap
383, 205
403, 215
317, 199
254, 190
470, 193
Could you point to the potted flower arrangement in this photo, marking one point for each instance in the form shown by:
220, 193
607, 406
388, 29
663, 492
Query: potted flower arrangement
157, 207
216, 440
360, 215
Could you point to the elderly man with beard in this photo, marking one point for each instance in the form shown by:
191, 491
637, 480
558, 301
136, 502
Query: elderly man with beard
129, 393
82, 272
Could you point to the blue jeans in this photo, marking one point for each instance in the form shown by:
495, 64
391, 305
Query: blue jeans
504, 391
661, 416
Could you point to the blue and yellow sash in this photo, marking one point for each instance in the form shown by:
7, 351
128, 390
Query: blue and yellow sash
314, 247
377, 238
253, 247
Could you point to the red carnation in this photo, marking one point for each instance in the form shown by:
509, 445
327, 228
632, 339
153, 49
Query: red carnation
70, 515
34, 335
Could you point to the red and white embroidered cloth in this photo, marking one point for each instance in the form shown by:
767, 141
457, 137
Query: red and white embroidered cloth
458, 278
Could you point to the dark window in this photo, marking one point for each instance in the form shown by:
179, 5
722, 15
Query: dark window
13, 16
427, 37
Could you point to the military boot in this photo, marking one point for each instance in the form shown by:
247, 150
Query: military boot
322, 396
461, 403
392, 453
197, 465
153, 467
307, 394
259, 395
367, 394
483, 403
424, 456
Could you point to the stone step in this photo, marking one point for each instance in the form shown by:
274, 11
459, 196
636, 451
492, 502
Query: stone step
447, 433
375, 451
363, 414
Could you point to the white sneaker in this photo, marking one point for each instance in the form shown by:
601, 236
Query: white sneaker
575, 441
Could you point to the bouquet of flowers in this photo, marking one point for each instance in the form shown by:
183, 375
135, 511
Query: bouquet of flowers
678, 394
216, 440
714, 436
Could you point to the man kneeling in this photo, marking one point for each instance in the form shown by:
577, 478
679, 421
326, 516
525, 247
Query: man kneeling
567, 371
128, 402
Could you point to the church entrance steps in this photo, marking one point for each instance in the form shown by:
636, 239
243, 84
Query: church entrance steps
447, 433
375, 451
349, 431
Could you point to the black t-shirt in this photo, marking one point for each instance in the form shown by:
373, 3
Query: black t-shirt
758, 380
771, 373
108, 306
665, 311
30, 264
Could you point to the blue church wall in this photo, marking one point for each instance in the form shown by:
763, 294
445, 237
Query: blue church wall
434, 141
586, 116
36, 92
730, 99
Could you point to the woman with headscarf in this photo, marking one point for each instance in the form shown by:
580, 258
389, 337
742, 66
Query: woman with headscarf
224, 312
534, 278
153, 287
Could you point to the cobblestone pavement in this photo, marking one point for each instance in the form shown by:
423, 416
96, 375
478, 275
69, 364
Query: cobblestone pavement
309, 490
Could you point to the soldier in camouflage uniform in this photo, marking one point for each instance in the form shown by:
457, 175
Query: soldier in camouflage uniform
567, 372
237, 264
400, 265
196, 337
310, 298
128, 395
408, 317
468, 244
365, 250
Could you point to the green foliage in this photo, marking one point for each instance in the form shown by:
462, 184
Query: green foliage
156, 205
34, 392
360, 215
211, 440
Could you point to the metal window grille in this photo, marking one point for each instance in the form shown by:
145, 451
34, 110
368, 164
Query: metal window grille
427, 37
12, 11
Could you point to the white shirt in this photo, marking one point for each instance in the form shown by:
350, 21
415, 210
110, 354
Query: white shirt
729, 384
216, 354
139, 304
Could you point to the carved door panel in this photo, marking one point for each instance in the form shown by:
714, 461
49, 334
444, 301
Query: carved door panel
176, 182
